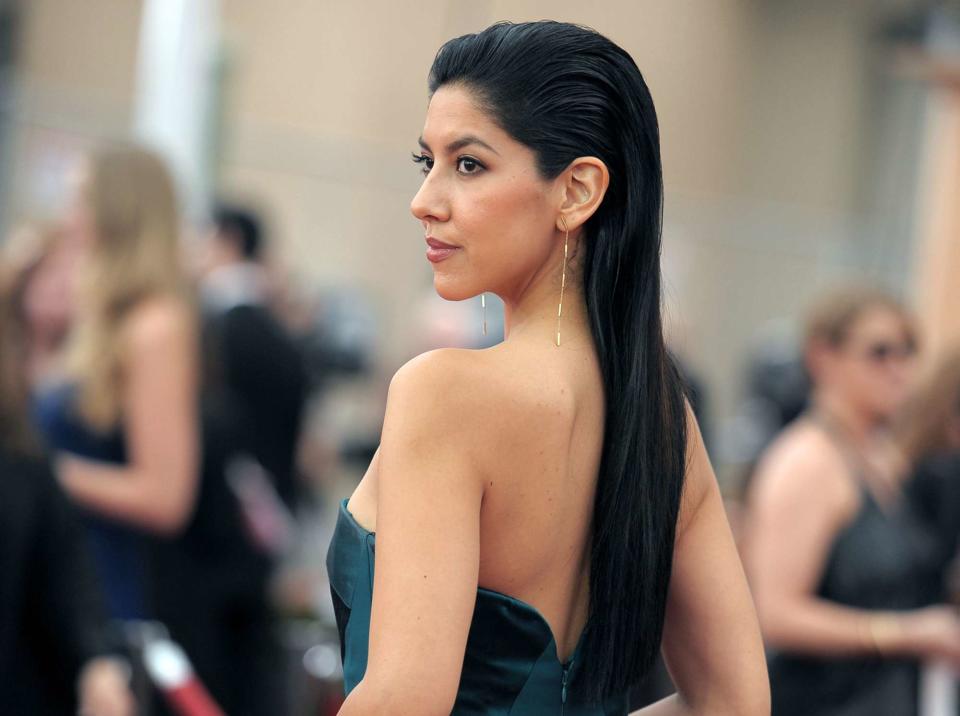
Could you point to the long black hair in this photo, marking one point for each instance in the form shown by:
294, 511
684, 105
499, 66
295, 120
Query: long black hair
566, 91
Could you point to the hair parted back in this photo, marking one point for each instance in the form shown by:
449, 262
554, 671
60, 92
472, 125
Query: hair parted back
566, 91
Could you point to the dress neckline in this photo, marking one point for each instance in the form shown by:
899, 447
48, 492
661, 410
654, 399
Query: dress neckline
525, 605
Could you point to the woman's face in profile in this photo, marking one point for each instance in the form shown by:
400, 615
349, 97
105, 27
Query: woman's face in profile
489, 218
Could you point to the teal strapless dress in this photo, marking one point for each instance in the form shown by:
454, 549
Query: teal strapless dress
510, 665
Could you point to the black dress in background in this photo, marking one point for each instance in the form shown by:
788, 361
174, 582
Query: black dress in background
118, 549
883, 560
52, 619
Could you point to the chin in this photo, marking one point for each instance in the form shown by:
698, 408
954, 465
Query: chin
450, 289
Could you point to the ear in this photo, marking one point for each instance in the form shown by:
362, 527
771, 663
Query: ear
584, 184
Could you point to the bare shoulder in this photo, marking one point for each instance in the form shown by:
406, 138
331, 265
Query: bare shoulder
482, 401
432, 429
436, 396
471, 385
443, 367
802, 467
444, 380
155, 322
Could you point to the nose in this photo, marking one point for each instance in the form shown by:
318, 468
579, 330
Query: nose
430, 203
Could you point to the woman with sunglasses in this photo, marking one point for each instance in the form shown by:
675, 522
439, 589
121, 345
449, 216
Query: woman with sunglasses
839, 565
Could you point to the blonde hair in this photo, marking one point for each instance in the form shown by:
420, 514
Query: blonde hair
135, 256
922, 427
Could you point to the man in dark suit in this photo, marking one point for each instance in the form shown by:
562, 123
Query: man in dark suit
252, 399
249, 353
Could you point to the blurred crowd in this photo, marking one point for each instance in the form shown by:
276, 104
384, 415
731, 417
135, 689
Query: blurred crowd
162, 486
151, 414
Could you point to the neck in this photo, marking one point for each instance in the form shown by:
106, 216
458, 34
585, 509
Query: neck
855, 423
530, 311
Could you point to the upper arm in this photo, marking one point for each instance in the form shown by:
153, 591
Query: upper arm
796, 506
711, 639
161, 420
428, 533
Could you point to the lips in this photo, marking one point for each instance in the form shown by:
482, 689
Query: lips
438, 251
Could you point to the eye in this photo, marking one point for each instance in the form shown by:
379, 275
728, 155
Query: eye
469, 165
426, 161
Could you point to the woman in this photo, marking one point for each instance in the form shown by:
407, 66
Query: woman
125, 422
531, 540
840, 566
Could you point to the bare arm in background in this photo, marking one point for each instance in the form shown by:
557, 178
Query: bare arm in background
155, 490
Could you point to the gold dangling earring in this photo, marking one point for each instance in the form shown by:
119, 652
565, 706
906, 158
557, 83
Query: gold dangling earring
563, 275
483, 305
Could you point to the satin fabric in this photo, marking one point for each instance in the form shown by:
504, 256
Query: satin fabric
510, 666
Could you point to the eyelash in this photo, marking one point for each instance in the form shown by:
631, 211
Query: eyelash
425, 160
428, 164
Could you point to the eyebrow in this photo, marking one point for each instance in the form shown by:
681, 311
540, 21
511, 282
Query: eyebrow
458, 144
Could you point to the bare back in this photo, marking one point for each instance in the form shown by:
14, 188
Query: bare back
540, 463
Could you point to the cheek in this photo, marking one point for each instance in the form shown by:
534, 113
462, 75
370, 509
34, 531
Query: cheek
864, 381
850, 372
502, 223
885, 385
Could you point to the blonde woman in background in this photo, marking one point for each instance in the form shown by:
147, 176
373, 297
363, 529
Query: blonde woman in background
125, 422
839, 563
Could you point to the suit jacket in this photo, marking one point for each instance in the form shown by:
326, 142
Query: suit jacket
252, 363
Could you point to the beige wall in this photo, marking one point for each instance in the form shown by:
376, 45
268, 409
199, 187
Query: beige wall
75, 84
761, 108
86, 47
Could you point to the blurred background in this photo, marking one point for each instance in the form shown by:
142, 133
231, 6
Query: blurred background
806, 143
